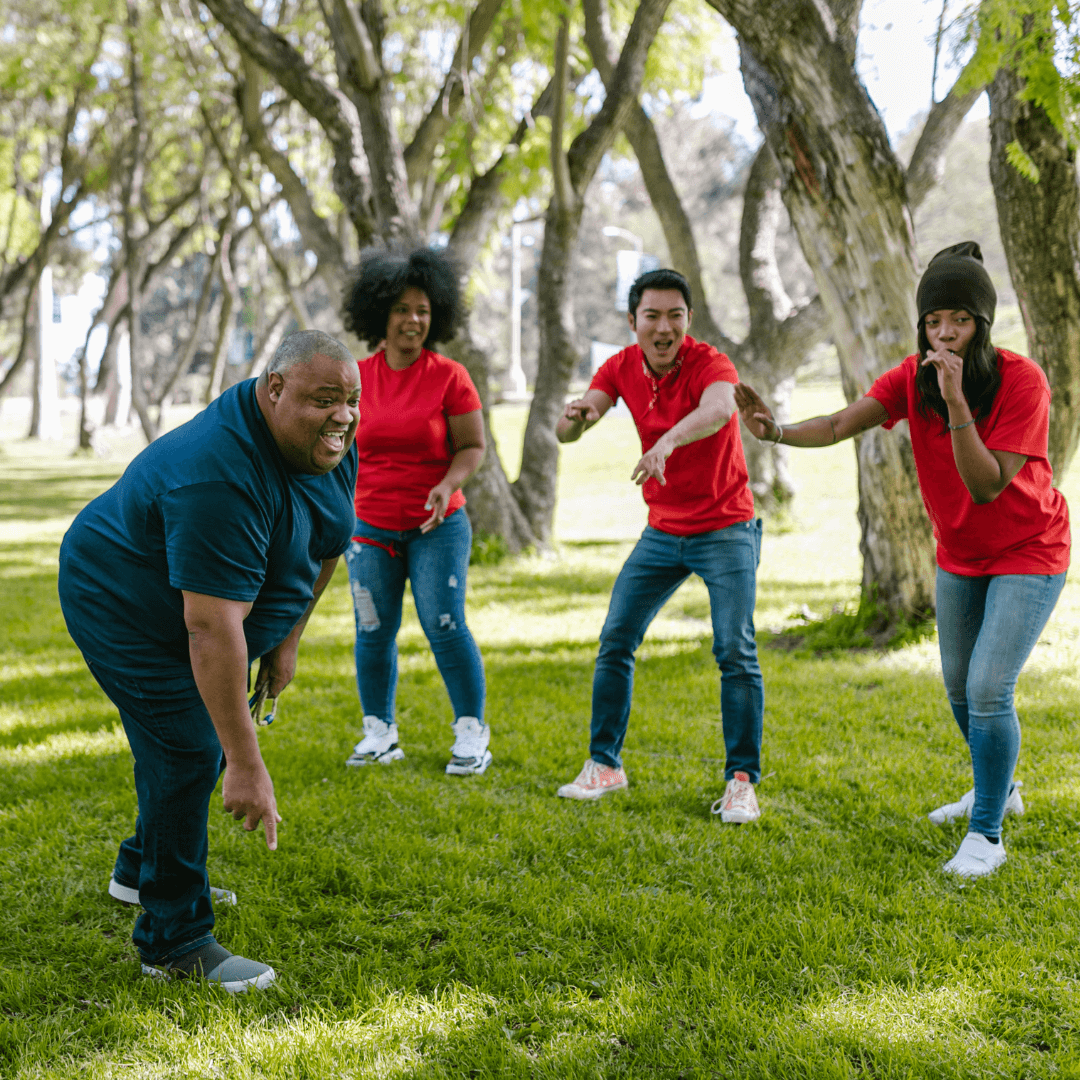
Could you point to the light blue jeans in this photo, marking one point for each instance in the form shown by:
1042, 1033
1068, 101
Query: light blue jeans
436, 565
987, 627
727, 561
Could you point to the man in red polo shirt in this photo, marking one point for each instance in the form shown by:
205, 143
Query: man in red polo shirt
681, 394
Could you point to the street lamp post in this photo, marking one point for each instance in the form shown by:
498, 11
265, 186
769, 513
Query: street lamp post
626, 234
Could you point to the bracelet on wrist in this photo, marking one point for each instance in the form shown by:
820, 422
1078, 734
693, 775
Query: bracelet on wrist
779, 433
958, 427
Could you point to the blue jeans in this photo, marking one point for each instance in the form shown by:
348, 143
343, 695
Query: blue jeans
436, 564
987, 627
726, 560
178, 760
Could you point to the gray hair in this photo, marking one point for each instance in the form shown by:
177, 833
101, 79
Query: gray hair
299, 348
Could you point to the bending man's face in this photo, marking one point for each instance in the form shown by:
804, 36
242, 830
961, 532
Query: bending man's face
315, 410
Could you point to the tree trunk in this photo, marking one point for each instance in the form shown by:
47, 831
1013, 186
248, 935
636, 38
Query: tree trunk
844, 191
536, 486
1040, 231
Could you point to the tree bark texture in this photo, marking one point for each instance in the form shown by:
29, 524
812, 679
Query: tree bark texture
1040, 231
845, 193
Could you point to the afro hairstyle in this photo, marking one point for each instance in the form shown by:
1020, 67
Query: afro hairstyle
381, 279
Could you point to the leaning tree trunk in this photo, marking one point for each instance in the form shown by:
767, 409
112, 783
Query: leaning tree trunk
1040, 231
845, 193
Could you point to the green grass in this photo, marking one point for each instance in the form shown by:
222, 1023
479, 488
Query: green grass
424, 926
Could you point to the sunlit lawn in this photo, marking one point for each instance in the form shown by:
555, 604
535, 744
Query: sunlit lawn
425, 926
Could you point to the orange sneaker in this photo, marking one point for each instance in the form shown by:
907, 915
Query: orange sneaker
738, 804
593, 781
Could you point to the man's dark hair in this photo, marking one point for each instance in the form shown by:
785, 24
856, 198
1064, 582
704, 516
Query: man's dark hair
381, 279
657, 279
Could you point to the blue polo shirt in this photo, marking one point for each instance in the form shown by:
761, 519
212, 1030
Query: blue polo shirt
211, 508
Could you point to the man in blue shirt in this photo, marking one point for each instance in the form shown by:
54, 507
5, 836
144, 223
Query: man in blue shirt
208, 553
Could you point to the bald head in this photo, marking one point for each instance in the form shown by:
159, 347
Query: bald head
302, 347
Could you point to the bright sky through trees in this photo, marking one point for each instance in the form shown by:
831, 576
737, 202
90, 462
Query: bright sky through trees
896, 62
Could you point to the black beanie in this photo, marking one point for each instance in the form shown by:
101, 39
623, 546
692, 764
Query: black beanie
956, 278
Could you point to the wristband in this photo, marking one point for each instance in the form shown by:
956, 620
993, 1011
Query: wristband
958, 427
779, 433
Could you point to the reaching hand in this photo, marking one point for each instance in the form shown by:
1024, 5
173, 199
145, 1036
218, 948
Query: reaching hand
755, 414
248, 793
581, 411
437, 501
277, 668
651, 465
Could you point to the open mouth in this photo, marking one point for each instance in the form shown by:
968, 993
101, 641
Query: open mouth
334, 440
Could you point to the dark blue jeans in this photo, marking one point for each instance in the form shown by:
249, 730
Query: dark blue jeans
436, 565
178, 761
987, 627
726, 560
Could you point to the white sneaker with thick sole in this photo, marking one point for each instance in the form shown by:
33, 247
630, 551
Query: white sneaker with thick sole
738, 805
379, 746
594, 781
127, 895
976, 857
966, 803
469, 756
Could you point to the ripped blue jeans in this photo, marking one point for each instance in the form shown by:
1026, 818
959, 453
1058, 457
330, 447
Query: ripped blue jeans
436, 565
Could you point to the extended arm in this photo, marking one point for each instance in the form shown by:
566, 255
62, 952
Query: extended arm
467, 433
219, 662
986, 473
854, 419
714, 410
580, 415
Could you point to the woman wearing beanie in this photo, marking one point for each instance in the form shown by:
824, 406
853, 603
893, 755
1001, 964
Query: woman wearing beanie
979, 422
421, 436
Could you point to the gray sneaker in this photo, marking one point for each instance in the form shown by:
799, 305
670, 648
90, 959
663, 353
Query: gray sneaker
964, 805
127, 895
213, 962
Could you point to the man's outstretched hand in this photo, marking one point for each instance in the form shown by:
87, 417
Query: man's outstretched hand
248, 794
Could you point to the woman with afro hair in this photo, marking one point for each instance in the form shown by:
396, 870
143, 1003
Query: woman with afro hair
421, 436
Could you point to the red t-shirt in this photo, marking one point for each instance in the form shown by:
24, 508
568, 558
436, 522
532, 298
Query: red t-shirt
707, 484
404, 439
1025, 530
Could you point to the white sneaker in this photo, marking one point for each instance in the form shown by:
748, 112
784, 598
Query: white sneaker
738, 804
469, 756
976, 857
378, 746
594, 781
966, 803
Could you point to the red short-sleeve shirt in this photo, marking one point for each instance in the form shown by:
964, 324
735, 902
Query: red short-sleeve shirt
707, 484
1025, 530
403, 440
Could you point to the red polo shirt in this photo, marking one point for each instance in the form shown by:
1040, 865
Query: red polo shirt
403, 440
707, 484
1025, 530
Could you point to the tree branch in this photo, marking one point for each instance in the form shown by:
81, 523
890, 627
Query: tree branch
927, 165
420, 152
274, 54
